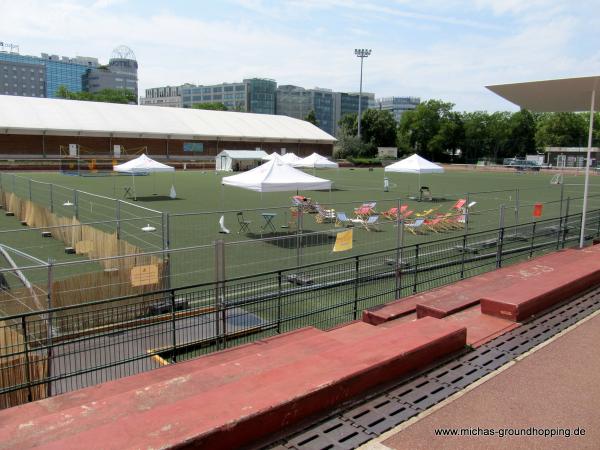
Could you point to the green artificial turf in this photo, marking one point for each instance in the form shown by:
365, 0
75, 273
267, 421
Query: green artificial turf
201, 193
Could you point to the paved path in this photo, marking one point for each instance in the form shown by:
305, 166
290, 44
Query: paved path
556, 386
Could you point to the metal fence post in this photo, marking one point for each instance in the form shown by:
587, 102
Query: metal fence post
566, 222
467, 214
462, 262
30, 194
173, 326
49, 326
500, 238
76, 203
279, 284
14, 183
51, 198
356, 272
598, 229
118, 217
220, 312
416, 269
532, 239
399, 252
299, 237
517, 207
26, 350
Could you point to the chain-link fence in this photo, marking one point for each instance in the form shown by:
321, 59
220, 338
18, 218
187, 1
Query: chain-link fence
79, 338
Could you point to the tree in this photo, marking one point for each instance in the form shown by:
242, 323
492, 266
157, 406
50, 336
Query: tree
562, 130
105, 95
349, 123
312, 118
214, 106
378, 129
419, 127
522, 133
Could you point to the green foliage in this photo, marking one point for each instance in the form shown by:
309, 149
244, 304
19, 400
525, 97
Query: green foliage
358, 161
312, 118
378, 129
214, 106
562, 130
105, 95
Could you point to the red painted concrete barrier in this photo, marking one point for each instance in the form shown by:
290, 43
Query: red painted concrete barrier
539, 286
221, 407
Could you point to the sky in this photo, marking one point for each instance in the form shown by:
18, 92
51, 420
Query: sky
442, 49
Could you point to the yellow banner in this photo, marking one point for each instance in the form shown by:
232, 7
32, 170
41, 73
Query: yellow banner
343, 241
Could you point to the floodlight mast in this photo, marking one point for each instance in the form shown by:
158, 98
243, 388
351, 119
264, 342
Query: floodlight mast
362, 53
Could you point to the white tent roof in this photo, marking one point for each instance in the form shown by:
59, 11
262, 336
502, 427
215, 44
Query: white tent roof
243, 154
316, 161
290, 158
142, 164
276, 177
29, 115
273, 155
562, 95
414, 164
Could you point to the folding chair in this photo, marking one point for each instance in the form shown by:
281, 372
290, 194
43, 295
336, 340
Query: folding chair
425, 193
416, 226
243, 223
343, 220
371, 224
324, 215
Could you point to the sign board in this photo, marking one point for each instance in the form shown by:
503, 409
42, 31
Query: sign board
73, 150
387, 152
343, 241
194, 147
538, 209
144, 275
117, 150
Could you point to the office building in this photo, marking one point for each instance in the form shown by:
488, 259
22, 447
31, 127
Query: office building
120, 73
255, 95
169, 96
347, 103
41, 76
295, 101
397, 105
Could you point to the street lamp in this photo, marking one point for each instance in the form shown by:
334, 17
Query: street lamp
362, 53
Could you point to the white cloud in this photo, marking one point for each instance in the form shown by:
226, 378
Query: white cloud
447, 55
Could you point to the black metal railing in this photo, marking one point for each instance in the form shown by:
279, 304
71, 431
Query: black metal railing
62, 349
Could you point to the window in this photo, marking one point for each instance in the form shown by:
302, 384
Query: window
240, 88
218, 89
228, 89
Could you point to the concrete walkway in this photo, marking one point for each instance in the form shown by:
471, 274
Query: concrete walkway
555, 386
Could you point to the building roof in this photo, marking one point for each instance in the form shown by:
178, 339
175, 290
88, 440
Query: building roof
28, 115
562, 95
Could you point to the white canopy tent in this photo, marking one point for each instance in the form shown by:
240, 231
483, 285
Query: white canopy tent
230, 160
414, 164
316, 161
143, 165
272, 156
562, 95
291, 158
274, 176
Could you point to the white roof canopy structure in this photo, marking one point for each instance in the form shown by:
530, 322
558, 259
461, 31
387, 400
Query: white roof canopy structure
316, 161
414, 164
276, 177
562, 95
273, 155
29, 115
142, 164
290, 158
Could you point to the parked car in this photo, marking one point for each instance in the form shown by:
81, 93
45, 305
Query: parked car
521, 164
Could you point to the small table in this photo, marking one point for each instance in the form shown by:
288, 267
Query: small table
269, 221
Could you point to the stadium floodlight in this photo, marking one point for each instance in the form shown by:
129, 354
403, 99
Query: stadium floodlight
148, 228
362, 53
